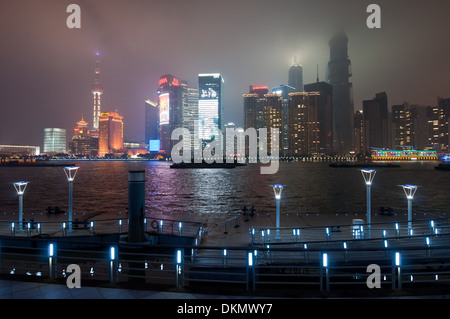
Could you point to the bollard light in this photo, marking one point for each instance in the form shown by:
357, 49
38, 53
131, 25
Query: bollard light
325, 260
250, 259
112, 253
51, 250
397, 259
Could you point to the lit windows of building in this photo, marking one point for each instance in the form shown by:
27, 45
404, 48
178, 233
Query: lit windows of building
110, 140
55, 140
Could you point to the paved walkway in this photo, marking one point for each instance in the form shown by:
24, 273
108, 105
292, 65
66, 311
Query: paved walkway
11, 289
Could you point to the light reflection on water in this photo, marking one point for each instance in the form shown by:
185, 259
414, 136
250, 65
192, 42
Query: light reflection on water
102, 187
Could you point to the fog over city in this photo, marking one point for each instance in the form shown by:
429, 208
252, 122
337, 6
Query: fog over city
47, 69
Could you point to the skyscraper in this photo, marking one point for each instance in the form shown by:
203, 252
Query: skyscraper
171, 108
376, 122
296, 76
402, 122
303, 133
264, 110
151, 121
82, 141
190, 113
324, 114
283, 91
97, 91
210, 105
358, 132
54, 140
253, 106
110, 139
338, 76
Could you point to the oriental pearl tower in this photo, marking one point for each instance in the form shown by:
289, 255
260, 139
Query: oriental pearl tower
97, 90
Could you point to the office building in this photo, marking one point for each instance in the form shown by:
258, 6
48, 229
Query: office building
376, 122
339, 74
110, 140
190, 114
55, 140
83, 144
303, 133
264, 110
19, 150
151, 121
295, 78
171, 109
210, 105
324, 114
283, 91
402, 121
358, 132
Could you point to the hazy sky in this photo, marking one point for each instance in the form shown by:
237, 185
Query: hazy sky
47, 69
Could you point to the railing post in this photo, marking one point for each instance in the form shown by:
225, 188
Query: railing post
51, 260
63, 229
324, 269
113, 257
396, 271
179, 269
250, 270
91, 228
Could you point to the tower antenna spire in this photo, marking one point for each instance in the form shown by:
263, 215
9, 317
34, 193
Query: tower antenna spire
317, 73
97, 91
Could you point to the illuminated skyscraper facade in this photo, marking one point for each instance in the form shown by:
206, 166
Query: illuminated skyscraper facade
210, 105
151, 121
83, 144
171, 107
110, 139
324, 114
190, 113
264, 110
55, 140
97, 91
304, 128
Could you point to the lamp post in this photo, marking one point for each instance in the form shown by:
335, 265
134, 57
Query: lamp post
20, 188
409, 190
70, 171
277, 189
368, 175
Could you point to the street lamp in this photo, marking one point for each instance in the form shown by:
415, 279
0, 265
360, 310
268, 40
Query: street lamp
277, 189
70, 171
368, 175
20, 188
409, 190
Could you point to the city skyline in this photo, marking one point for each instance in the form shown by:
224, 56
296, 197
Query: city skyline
49, 70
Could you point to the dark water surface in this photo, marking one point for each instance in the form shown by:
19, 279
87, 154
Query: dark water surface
102, 187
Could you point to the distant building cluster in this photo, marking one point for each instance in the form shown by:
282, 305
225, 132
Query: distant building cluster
406, 127
313, 119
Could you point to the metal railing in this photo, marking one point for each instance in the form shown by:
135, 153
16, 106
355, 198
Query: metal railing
320, 265
286, 235
102, 226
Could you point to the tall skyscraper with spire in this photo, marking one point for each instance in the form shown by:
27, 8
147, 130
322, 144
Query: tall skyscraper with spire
338, 76
97, 90
296, 76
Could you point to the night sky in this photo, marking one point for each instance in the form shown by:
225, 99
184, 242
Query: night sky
47, 69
